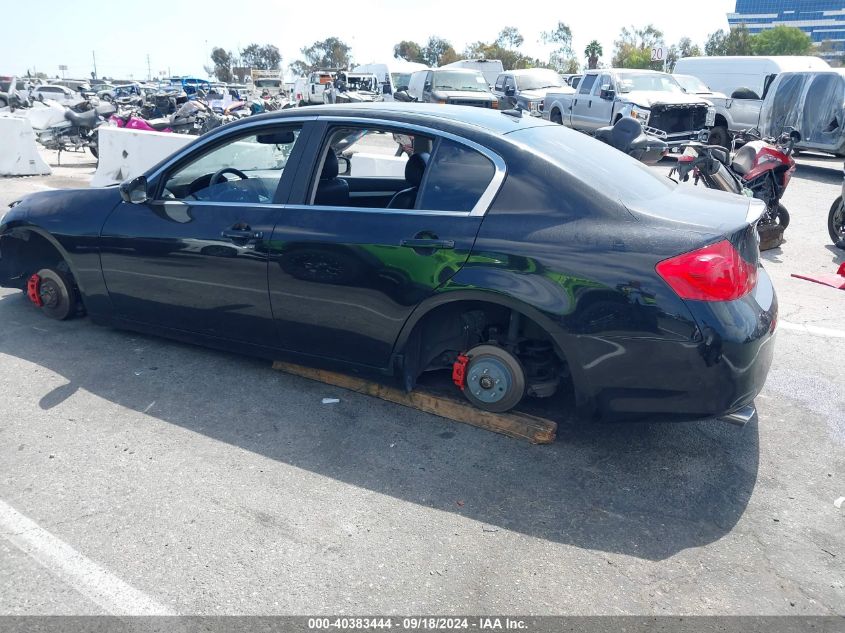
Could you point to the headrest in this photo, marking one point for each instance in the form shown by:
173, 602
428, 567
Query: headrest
415, 168
330, 168
625, 130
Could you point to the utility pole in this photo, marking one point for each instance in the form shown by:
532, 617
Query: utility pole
94, 57
149, 72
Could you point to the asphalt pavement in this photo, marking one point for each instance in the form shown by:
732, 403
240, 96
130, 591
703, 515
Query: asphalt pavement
145, 476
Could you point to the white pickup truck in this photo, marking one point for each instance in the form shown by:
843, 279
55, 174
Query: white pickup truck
654, 98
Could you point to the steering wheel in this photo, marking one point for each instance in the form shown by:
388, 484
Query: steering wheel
217, 178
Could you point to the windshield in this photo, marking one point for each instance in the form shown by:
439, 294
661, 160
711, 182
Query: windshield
658, 82
464, 80
268, 83
542, 79
692, 85
401, 80
591, 161
366, 83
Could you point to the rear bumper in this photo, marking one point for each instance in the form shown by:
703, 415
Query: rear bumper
716, 375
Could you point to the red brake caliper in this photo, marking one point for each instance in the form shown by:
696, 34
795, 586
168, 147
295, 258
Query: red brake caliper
459, 371
33, 290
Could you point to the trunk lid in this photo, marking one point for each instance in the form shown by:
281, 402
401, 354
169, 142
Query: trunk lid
709, 214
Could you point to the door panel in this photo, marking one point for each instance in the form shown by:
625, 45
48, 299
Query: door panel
194, 258
168, 264
342, 284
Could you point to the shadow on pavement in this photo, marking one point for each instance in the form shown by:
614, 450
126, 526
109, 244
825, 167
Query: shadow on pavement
645, 490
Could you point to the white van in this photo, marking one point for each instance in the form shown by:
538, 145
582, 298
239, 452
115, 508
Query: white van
728, 74
490, 68
393, 77
744, 82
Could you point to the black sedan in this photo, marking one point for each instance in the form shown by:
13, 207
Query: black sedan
515, 253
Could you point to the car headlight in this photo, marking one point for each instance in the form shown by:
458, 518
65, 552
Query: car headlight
710, 121
640, 114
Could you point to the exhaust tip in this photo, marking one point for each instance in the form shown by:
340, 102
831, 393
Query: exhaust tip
741, 416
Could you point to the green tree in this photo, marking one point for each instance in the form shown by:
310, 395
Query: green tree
738, 41
438, 52
562, 58
510, 37
222, 61
716, 43
632, 49
409, 51
782, 40
684, 48
331, 52
593, 53
265, 57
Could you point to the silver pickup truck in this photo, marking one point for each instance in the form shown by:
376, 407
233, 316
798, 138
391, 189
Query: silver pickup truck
655, 99
736, 113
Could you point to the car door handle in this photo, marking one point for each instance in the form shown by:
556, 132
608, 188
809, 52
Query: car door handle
242, 234
428, 243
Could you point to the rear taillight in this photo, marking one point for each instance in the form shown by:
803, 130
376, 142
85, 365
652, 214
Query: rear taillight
713, 273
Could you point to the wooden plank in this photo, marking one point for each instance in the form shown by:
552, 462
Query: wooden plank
514, 424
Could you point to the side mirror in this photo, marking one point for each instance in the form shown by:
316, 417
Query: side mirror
510, 91
607, 92
344, 166
134, 191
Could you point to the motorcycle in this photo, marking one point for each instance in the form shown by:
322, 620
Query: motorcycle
761, 168
60, 128
836, 220
131, 121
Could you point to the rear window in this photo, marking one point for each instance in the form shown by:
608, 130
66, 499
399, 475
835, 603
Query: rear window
603, 167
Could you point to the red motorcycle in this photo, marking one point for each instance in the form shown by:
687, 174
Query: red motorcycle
761, 168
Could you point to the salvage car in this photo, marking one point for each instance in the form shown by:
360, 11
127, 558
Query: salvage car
654, 98
517, 255
527, 88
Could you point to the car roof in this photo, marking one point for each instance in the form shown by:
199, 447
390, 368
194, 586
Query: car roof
529, 71
494, 121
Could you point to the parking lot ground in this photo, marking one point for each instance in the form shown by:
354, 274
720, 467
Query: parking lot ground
142, 476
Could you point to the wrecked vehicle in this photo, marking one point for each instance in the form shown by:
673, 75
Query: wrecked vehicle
357, 88
639, 296
740, 84
813, 103
653, 98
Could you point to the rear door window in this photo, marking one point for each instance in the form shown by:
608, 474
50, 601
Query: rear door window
587, 84
456, 178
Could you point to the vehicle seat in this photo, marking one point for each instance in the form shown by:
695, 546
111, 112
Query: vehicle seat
331, 190
87, 119
744, 158
624, 133
414, 172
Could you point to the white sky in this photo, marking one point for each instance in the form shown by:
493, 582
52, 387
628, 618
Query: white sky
178, 35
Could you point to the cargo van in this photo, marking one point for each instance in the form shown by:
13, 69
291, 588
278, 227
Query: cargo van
393, 77
490, 68
812, 104
754, 73
744, 82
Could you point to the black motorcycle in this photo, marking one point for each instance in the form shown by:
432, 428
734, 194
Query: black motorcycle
78, 130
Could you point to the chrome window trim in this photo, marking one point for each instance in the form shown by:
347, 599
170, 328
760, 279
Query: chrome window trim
481, 206
261, 205
215, 135
484, 202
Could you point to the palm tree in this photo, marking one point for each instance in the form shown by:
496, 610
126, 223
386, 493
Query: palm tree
592, 53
